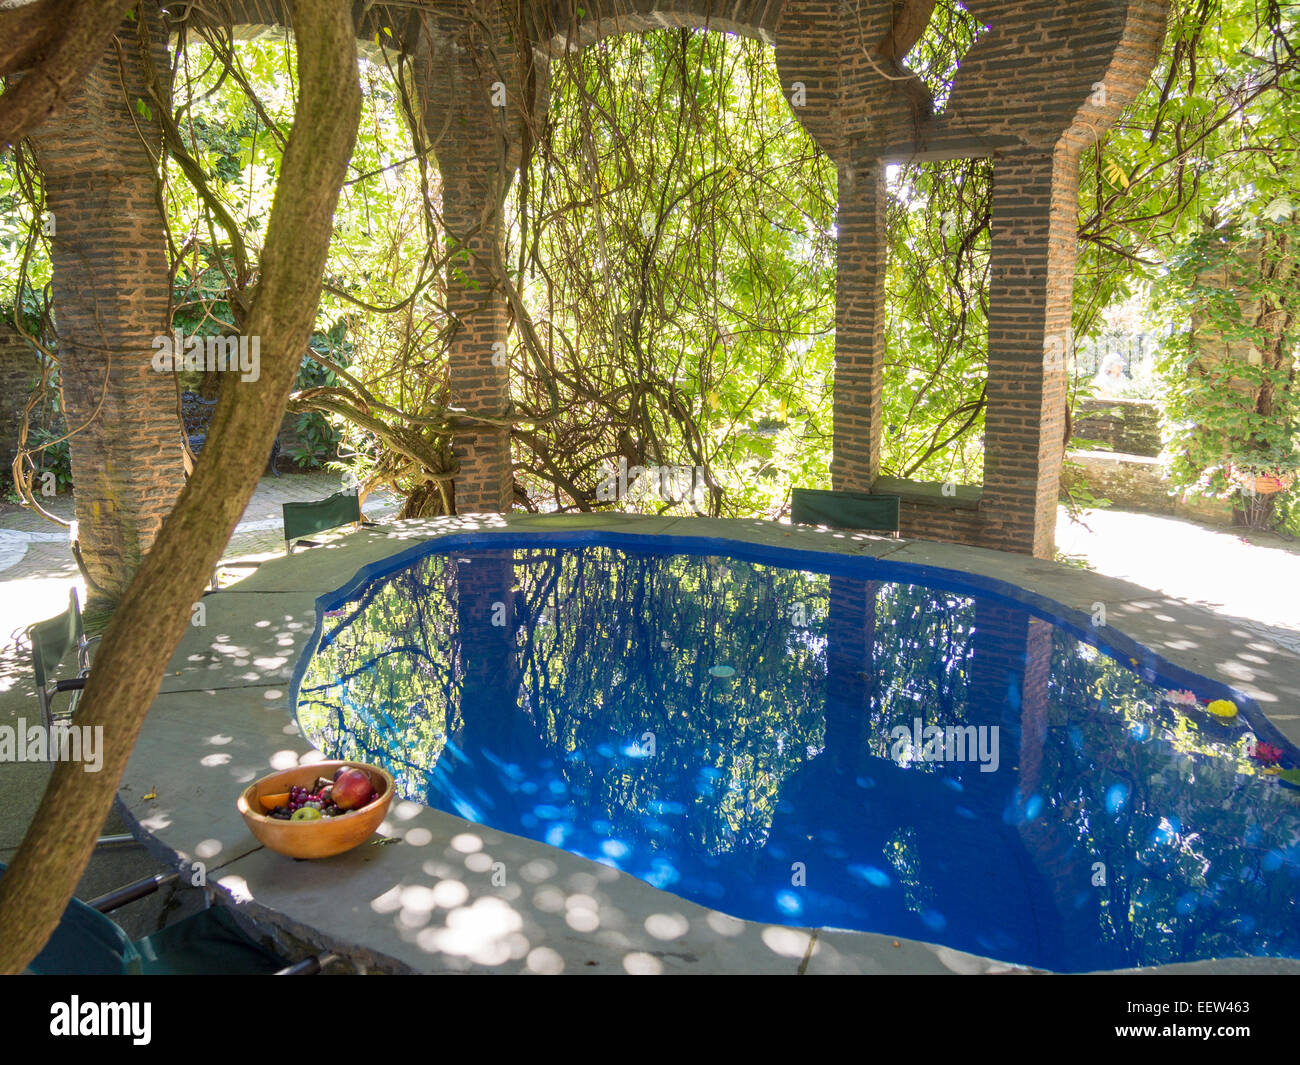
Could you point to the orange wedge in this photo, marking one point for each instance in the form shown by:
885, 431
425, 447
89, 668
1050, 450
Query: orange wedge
270, 802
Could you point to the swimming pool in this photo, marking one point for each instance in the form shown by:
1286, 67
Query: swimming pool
746, 727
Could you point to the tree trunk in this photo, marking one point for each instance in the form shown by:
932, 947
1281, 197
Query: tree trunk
55, 43
153, 615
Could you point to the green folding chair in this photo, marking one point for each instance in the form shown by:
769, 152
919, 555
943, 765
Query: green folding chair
88, 943
845, 510
304, 519
52, 641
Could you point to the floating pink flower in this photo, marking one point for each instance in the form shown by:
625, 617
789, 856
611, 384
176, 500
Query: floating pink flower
1266, 754
1181, 698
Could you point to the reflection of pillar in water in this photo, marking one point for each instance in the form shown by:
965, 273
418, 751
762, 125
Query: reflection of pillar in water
851, 681
1010, 684
980, 858
487, 672
1052, 835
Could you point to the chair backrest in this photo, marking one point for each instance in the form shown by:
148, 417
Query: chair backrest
196, 412
53, 638
85, 943
303, 519
845, 510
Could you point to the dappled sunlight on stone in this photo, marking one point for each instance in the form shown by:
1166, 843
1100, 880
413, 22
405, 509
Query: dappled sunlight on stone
487, 932
545, 962
448, 894
639, 963
582, 913
787, 942
583, 882
537, 871
667, 925
389, 902
548, 899
209, 848
467, 843
724, 924
478, 862
283, 760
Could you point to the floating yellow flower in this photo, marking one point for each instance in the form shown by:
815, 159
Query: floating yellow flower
1223, 709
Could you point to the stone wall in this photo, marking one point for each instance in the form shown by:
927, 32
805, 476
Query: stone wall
1129, 474
1128, 426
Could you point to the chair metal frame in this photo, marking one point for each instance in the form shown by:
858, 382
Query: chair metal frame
75, 638
116, 899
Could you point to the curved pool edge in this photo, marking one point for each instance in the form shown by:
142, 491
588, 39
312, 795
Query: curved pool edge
225, 716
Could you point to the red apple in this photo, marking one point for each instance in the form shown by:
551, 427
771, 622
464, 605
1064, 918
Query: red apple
352, 789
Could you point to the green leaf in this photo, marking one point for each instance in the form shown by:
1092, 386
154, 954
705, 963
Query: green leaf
1279, 210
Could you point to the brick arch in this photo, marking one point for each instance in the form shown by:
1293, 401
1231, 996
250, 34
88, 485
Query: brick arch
560, 30
253, 19
814, 41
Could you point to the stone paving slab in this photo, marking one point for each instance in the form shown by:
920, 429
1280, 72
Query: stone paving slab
430, 904
244, 640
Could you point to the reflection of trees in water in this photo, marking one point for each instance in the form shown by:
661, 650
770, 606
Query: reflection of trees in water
609, 646
921, 652
627, 650
1183, 820
379, 686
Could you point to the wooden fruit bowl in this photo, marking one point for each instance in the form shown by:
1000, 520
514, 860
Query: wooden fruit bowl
314, 839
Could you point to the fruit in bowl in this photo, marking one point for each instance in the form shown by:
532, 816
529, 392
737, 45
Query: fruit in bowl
352, 789
301, 813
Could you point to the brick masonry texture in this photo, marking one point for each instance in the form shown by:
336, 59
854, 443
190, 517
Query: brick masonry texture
19, 372
110, 286
1044, 80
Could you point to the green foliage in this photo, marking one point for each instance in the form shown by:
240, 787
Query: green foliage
683, 227
673, 240
53, 458
318, 438
1231, 402
936, 321
1214, 131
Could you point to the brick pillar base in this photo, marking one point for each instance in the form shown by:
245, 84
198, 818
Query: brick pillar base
110, 285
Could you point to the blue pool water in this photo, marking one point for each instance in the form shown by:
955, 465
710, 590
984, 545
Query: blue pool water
747, 728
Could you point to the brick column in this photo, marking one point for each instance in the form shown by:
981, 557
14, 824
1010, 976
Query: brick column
110, 283
1035, 204
454, 77
859, 327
